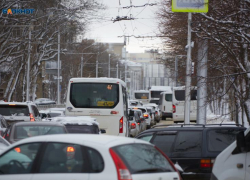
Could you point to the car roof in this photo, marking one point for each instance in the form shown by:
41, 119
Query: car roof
37, 123
17, 103
178, 127
79, 120
83, 139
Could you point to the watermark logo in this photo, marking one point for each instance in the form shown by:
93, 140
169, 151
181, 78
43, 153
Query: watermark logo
18, 11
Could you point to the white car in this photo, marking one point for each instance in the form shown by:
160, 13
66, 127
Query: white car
146, 116
19, 111
44, 101
85, 157
47, 114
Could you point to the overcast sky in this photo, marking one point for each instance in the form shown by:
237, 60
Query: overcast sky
145, 24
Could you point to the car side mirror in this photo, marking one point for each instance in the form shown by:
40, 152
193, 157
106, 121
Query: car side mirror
103, 131
240, 141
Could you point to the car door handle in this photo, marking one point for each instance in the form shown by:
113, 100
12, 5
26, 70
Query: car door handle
239, 165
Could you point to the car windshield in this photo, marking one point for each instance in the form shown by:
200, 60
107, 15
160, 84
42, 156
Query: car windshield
155, 94
14, 110
219, 139
141, 95
94, 95
22, 132
82, 129
142, 158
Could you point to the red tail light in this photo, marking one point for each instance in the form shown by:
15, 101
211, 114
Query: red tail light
133, 125
206, 163
156, 112
121, 169
121, 125
170, 162
32, 117
70, 149
174, 108
145, 115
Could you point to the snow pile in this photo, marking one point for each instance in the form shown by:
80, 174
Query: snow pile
78, 120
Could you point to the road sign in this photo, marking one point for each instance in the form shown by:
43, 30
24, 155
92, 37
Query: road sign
190, 6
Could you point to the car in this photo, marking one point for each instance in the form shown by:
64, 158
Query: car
146, 116
3, 144
22, 130
194, 147
134, 122
79, 124
19, 111
85, 156
56, 109
156, 110
44, 101
50, 114
151, 112
233, 162
143, 124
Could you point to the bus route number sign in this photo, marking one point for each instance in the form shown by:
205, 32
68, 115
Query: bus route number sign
105, 103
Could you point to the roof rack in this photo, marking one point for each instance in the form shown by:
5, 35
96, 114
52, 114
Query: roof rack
202, 125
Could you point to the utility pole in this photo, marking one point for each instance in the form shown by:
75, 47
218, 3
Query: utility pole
125, 61
81, 65
202, 82
58, 71
109, 66
117, 73
28, 70
96, 70
188, 74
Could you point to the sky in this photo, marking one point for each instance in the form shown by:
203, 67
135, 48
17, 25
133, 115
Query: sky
145, 24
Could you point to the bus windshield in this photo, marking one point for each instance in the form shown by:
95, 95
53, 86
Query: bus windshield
94, 95
141, 95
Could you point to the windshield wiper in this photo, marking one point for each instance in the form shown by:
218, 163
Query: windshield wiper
152, 170
184, 149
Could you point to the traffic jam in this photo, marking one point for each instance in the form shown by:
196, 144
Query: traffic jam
102, 134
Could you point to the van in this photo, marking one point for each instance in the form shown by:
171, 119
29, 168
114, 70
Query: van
234, 162
178, 100
165, 105
193, 147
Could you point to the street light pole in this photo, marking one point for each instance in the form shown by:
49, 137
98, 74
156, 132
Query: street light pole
28, 70
58, 72
109, 66
188, 74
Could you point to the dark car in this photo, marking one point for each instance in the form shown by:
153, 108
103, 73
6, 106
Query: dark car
22, 130
193, 147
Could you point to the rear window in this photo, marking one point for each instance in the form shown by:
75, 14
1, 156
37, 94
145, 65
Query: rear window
154, 101
94, 95
141, 95
164, 142
219, 139
180, 95
82, 129
155, 94
188, 144
22, 132
142, 158
168, 97
143, 110
16, 110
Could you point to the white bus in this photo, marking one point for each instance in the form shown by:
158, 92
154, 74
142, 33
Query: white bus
142, 95
155, 91
102, 98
